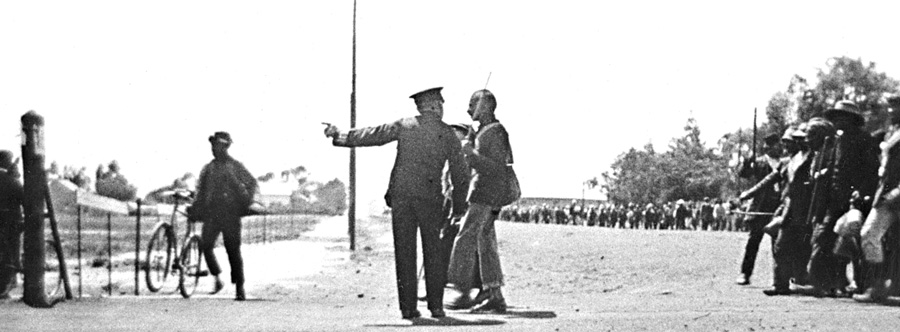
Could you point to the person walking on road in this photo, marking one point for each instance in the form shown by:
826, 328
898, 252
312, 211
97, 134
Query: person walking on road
424, 145
224, 193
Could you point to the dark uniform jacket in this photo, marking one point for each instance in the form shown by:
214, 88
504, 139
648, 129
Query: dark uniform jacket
424, 145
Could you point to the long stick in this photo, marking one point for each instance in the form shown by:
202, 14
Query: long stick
351, 211
754, 135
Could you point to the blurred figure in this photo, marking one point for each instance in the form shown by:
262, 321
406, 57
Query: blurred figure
853, 171
885, 211
11, 223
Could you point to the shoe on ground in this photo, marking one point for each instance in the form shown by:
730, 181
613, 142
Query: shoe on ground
777, 291
438, 313
460, 303
410, 314
743, 280
217, 287
482, 296
871, 295
239, 293
492, 306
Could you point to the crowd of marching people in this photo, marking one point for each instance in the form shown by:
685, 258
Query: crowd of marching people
828, 197
708, 214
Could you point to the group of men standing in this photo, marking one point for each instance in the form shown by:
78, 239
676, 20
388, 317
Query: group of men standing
828, 201
425, 145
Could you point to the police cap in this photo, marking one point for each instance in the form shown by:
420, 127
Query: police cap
428, 95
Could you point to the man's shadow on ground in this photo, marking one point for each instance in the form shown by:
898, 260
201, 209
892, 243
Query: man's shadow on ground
457, 319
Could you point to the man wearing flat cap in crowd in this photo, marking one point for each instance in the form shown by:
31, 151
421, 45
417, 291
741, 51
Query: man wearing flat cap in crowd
224, 194
424, 145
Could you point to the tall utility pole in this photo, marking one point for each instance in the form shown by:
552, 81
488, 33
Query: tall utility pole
351, 211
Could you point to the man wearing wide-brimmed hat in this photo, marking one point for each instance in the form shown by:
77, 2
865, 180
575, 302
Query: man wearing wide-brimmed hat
424, 145
853, 171
225, 191
11, 220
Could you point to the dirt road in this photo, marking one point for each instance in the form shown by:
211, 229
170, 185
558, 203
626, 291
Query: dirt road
559, 278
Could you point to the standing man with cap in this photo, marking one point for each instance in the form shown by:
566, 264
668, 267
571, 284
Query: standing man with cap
765, 201
224, 194
424, 145
11, 223
475, 249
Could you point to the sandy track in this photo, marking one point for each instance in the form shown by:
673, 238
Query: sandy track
559, 278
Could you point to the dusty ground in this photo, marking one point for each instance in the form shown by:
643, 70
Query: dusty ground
559, 278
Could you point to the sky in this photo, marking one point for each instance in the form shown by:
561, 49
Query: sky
577, 82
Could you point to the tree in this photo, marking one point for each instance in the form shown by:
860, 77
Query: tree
845, 79
689, 170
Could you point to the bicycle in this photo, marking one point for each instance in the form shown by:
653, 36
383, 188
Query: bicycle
163, 257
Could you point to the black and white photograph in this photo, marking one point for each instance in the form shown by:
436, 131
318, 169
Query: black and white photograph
401, 165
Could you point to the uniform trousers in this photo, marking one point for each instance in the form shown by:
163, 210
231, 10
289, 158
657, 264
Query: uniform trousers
230, 228
475, 250
791, 251
425, 215
753, 241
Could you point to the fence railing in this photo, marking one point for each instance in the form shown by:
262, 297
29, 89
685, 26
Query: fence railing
104, 233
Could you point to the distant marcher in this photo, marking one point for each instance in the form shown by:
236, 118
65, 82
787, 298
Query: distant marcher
475, 249
424, 145
11, 223
225, 191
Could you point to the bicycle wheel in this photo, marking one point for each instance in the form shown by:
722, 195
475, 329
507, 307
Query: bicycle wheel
160, 256
191, 267
53, 283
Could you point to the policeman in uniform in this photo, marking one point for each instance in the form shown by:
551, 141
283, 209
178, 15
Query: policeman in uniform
424, 145
11, 223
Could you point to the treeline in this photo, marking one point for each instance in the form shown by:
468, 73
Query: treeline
690, 170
